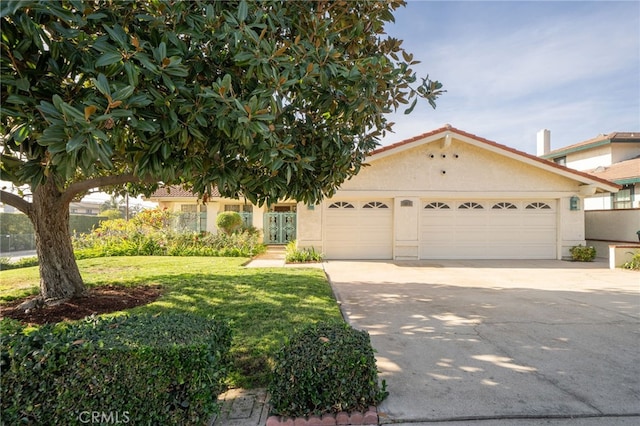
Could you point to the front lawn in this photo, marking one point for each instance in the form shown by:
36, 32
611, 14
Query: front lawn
264, 305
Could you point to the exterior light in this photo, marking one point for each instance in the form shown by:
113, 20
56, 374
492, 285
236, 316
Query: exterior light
574, 203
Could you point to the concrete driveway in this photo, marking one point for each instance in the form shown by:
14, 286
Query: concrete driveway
499, 342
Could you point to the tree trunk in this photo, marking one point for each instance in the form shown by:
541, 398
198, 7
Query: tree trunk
59, 274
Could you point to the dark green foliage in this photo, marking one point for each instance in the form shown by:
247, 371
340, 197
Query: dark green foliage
288, 99
583, 254
229, 222
162, 369
327, 367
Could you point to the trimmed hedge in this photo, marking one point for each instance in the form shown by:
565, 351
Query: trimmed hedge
327, 367
229, 222
164, 369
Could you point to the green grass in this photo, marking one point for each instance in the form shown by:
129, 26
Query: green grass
264, 305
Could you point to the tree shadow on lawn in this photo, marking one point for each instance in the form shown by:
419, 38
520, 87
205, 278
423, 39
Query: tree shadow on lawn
263, 309
263, 306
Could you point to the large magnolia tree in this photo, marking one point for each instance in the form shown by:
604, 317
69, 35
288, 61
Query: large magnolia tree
263, 99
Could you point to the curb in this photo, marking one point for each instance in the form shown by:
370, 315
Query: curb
369, 417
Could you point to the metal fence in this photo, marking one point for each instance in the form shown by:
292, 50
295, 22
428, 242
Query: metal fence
17, 242
190, 222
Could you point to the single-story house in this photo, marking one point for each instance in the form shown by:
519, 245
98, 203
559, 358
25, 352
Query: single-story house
445, 194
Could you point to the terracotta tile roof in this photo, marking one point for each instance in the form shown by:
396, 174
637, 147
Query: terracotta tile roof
449, 128
624, 171
603, 138
178, 192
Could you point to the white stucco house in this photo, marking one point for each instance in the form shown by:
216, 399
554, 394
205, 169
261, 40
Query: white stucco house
612, 221
614, 156
445, 194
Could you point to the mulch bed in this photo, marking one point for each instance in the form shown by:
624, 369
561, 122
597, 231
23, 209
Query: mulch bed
98, 300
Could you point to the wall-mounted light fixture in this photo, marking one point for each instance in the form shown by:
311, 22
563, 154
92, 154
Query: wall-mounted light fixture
574, 203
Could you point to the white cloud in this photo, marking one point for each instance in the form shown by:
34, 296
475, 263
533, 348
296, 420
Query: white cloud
513, 68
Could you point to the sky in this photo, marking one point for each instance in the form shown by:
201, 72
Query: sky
511, 68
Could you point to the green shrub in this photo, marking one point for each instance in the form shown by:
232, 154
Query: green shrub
229, 222
111, 214
583, 254
166, 369
25, 262
150, 235
327, 367
295, 255
634, 263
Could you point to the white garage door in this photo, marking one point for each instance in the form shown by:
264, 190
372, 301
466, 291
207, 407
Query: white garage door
488, 230
358, 229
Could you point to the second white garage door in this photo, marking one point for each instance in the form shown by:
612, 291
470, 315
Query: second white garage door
488, 230
359, 229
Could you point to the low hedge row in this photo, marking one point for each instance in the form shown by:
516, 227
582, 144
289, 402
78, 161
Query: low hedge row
325, 368
139, 369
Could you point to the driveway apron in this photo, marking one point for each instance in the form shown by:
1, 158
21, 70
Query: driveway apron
465, 340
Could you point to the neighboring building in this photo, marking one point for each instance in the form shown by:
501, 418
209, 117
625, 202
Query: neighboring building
85, 207
446, 194
614, 157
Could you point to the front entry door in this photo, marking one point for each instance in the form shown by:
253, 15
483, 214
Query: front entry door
279, 227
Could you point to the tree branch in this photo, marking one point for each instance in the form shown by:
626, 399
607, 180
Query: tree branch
16, 201
85, 185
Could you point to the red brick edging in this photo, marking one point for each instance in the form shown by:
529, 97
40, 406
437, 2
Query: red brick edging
369, 417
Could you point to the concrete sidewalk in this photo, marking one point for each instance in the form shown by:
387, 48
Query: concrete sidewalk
17, 255
499, 343
242, 407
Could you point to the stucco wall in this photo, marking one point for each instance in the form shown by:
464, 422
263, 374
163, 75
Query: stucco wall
474, 169
309, 226
590, 159
612, 225
624, 151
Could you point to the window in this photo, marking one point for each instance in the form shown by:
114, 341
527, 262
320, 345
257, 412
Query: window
341, 205
189, 208
470, 206
436, 205
504, 206
375, 205
406, 203
238, 208
538, 206
562, 161
623, 199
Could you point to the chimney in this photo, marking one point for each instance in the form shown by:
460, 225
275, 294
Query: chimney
544, 142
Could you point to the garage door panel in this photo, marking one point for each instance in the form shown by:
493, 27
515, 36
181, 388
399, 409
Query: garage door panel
510, 231
359, 232
504, 220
